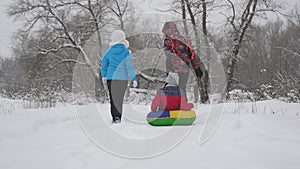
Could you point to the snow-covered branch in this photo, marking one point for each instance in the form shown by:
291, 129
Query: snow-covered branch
47, 51
151, 78
289, 50
232, 18
64, 61
89, 62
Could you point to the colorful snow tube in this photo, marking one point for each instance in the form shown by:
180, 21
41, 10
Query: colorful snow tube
171, 117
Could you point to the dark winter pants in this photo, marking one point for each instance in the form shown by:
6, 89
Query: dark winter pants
183, 78
116, 94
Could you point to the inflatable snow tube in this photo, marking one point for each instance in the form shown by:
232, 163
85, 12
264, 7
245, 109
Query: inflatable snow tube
171, 117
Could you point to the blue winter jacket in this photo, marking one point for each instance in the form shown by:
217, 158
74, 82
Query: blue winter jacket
117, 64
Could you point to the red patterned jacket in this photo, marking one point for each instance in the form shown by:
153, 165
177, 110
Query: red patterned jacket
179, 53
170, 98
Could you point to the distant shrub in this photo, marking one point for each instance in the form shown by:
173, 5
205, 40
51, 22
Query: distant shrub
265, 92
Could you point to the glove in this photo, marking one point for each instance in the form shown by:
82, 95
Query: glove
134, 84
104, 80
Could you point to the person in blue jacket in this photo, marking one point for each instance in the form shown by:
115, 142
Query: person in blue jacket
116, 69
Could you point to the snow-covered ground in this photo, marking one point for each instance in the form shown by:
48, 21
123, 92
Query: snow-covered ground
264, 135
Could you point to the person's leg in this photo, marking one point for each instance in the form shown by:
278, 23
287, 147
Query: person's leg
113, 109
183, 78
117, 89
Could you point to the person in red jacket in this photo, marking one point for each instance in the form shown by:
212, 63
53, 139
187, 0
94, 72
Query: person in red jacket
180, 57
170, 97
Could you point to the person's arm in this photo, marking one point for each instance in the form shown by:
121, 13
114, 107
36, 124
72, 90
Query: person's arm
196, 66
104, 65
130, 67
195, 60
184, 105
156, 102
168, 44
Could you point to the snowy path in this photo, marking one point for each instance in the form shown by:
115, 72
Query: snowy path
54, 139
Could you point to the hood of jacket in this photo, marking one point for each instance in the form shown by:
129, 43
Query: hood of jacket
117, 49
170, 29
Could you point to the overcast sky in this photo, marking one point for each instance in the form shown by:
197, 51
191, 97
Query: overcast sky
7, 26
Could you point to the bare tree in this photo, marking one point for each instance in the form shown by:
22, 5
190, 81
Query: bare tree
119, 8
58, 17
203, 83
240, 24
61, 29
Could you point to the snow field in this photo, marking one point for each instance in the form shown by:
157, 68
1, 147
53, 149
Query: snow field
52, 138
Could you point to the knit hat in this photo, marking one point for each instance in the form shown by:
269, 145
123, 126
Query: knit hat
172, 78
118, 37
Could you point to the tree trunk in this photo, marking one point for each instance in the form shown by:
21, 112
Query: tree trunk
202, 83
100, 92
183, 10
246, 19
205, 80
204, 17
